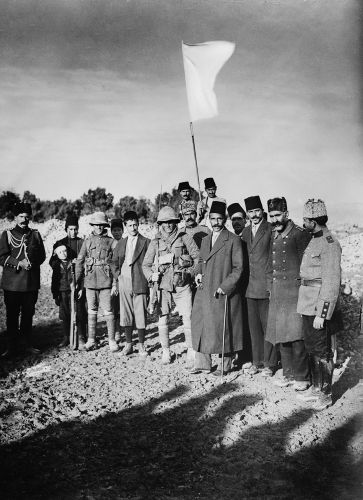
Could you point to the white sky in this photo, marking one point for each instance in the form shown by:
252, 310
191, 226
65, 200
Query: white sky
93, 94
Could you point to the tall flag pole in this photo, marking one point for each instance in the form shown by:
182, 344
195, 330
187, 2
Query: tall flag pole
202, 63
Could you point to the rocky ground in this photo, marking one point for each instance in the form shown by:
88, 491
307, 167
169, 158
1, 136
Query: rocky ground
99, 426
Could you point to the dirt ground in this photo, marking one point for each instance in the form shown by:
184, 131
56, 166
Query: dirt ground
78, 425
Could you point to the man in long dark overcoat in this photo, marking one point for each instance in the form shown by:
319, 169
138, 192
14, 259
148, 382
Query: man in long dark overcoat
219, 270
284, 324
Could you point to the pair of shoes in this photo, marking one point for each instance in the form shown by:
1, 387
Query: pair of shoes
195, 371
301, 385
267, 372
127, 350
253, 370
218, 373
113, 345
323, 402
282, 382
32, 350
64, 342
90, 345
311, 395
166, 357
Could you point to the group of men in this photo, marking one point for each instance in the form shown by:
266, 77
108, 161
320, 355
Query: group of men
265, 294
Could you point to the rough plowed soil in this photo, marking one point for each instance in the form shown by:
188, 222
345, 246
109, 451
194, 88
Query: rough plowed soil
78, 425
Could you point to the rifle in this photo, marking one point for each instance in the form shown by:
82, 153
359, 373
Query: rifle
73, 334
154, 287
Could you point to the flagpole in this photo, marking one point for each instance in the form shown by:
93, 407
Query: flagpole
195, 159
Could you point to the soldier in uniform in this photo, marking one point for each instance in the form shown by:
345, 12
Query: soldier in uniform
21, 254
206, 202
318, 295
170, 262
284, 324
74, 244
93, 266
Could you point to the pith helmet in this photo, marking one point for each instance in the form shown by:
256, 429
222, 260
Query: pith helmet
167, 214
314, 208
99, 218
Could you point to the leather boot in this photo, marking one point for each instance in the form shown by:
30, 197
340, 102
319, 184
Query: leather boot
110, 321
92, 324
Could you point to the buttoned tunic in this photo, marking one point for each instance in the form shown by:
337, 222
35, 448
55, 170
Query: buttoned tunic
320, 276
93, 262
284, 324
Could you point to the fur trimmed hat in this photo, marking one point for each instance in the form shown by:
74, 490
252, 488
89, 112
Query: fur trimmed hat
278, 204
188, 206
218, 207
253, 202
314, 208
235, 208
209, 183
22, 208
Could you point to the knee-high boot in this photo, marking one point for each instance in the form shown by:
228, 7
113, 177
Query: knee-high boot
110, 321
163, 327
92, 324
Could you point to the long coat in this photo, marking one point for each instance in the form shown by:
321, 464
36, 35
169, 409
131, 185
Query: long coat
139, 282
258, 248
284, 324
221, 267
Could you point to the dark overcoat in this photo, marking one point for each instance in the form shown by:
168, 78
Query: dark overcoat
284, 324
258, 248
139, 282
221, 267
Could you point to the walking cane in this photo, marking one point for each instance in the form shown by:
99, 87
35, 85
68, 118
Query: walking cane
224, 333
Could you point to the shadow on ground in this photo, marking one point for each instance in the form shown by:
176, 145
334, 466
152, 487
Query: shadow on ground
172, 449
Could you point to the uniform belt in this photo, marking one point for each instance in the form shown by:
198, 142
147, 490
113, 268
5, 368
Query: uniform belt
316, 282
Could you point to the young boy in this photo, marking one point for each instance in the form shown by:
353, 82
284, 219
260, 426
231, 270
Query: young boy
61, 290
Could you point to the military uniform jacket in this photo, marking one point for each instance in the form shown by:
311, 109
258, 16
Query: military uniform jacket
221, 266
93, 262
258, 248
16, 245
287, 248
320, 276
139, 282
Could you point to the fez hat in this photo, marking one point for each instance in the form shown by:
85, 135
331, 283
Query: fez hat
22, 208
167, 214
234, 208
99, 218
209, 183
183, 185
71, 220
253, 202
130, 215
115, 222
314, 208
278, 204
188, 206
218, 207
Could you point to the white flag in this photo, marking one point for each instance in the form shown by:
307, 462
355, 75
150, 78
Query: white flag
202, 62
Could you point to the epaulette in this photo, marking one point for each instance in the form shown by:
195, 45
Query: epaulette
329, 239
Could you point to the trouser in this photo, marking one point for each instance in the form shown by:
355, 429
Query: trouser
19, 304
183, 302
318, 347
65, 314
263, 352
132, 305
203, 361
294, 360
